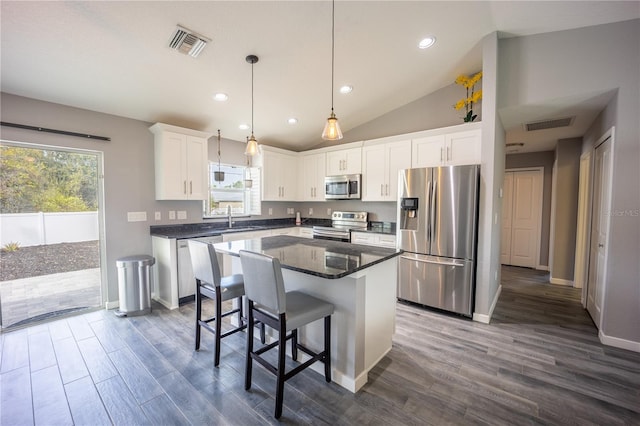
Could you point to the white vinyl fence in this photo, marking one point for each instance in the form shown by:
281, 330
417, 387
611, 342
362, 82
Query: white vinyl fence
34, 229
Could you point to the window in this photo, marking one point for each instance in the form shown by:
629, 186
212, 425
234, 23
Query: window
233, 191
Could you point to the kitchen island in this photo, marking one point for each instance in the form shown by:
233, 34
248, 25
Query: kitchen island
359, 280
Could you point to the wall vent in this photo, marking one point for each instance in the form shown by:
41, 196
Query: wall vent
549, 124
188, 42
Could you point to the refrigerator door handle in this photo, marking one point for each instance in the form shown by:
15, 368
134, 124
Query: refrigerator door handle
429, 212
432, 211
436, 262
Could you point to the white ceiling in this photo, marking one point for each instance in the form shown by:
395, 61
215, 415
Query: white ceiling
113, 57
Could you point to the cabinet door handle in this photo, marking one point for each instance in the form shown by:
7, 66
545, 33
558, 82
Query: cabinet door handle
441, 155
190, 187
184, 187
448, 154
386, 188
381, 189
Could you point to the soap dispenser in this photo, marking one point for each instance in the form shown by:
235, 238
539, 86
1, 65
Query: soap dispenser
298, 221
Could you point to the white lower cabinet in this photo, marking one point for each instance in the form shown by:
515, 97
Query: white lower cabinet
373, 239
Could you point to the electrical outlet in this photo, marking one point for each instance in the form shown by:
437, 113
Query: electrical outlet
270, 211
310, 211
495, 219
158, 216
328, 212
182, 215
172, 215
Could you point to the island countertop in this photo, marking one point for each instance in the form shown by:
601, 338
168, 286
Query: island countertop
322, 258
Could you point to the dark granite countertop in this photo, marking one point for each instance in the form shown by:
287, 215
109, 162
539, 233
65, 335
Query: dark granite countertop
209, 229
322, 258
386, 228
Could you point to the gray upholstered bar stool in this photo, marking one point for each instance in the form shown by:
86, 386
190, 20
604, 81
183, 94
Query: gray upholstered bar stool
283, 311
210, 283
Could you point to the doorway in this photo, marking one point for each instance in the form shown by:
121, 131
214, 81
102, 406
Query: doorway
521, 217
600, 219
51, 221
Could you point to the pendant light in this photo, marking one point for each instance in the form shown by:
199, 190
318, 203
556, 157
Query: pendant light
331, 130
219, 175
252, 143
248, 182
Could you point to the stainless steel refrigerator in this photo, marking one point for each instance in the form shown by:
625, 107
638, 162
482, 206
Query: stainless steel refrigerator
437, 229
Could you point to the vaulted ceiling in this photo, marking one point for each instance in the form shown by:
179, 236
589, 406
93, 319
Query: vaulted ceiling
114, 57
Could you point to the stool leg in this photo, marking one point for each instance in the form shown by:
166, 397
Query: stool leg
282, 347
294, 344
249, 359
218, 321
198, 313
262, 336
327, 348
240, 312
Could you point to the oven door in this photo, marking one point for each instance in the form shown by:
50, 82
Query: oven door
320, 233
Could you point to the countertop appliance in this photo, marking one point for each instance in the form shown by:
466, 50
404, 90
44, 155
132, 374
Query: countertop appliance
344, 187
437, 229
341, 225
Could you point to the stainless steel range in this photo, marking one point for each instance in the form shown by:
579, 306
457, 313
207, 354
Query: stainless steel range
341, 224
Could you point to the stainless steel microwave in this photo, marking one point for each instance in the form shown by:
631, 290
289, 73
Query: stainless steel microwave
344, 187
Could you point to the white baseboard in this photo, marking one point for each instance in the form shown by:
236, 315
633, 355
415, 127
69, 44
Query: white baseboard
619, 343
542, 268
560, 281
112, 305
486, 318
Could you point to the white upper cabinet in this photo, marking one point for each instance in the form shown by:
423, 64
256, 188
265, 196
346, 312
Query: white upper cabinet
344, 162
181, 162
447, 149
380, 165
311, 177
279, 174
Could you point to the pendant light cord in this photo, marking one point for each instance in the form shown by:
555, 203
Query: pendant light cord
252, 98
333, 46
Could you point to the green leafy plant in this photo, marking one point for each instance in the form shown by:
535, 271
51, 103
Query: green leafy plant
10, 247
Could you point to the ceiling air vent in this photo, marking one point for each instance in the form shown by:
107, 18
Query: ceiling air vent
188, 42
549, 124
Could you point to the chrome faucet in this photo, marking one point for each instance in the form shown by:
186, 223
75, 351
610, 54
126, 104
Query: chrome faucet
229, 215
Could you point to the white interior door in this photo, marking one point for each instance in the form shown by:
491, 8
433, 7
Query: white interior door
599, 230
525, 217
507, 207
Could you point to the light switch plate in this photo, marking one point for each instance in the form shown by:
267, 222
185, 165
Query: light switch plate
310, 211
270, 211
172, 215
158, 216
182, 214
328, 212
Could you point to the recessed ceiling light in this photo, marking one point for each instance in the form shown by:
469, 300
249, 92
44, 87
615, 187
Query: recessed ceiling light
244, 126
427, 42
220, 97
346, 89
292, 120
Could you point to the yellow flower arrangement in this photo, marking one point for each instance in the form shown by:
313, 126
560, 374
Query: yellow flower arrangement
469, 100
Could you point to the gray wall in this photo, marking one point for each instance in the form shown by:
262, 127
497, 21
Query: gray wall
594, 59
538, 159
566, 208
429, 112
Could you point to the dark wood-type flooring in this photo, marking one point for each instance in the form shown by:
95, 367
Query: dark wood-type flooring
538, 362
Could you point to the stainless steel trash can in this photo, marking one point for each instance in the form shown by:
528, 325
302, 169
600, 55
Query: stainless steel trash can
134, 273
